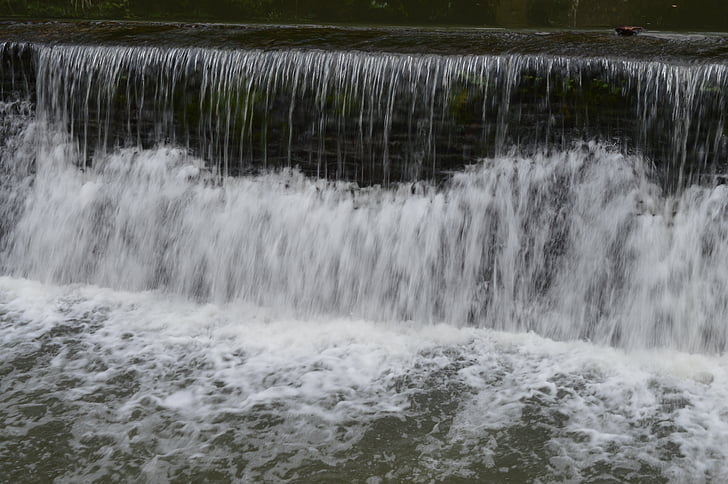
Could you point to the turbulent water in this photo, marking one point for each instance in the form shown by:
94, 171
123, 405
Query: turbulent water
304, 265
106, 385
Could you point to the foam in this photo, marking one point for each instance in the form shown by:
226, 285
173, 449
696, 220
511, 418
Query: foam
577, 244
157, 387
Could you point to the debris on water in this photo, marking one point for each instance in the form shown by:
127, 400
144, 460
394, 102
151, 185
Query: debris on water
627, 31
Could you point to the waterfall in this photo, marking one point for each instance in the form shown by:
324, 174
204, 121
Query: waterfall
523, 193
267, 254
378, 118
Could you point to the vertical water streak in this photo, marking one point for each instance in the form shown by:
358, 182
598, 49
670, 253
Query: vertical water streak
316, 109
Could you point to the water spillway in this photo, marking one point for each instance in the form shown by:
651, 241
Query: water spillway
585, 221
376, 118
381, 118
475, 256
574, 245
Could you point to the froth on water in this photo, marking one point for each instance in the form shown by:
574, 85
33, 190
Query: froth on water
108, 385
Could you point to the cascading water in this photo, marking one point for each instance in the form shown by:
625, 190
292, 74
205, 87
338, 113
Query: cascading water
301, 264
577, 244
380, 118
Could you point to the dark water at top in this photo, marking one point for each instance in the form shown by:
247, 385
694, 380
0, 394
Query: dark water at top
700, 15
656, 45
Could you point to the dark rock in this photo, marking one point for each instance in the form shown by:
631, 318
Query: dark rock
627, 31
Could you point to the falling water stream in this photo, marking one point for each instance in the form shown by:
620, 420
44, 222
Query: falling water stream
309, 263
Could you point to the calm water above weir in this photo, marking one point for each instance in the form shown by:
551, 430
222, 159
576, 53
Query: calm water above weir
305, 254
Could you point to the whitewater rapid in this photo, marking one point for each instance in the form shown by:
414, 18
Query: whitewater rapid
576, 244
553, 310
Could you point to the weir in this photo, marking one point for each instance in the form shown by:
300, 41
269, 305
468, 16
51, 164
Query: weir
362, 254
375, 118
577, 197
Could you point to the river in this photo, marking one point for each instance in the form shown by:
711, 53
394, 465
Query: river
348, 254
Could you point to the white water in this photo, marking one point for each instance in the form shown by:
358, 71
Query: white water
571, 245
156, 387
540, 318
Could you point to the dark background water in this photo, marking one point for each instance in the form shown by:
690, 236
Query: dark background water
701, 15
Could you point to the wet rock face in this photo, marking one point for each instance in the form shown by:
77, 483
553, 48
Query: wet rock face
17, 72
